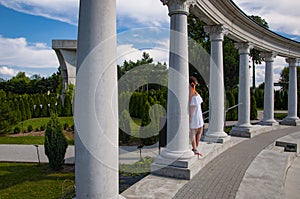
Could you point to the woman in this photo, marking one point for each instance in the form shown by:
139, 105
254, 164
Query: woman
196, 119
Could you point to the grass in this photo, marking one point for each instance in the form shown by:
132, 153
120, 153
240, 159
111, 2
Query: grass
23, 180
280, 116
27, 140
22, 140
36, 123
138, 168
30, 181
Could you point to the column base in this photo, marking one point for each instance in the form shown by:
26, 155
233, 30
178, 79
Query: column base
216, 137
250, 132
241, 131
177, 155
175, 165
291, 121
118, 197
268, 123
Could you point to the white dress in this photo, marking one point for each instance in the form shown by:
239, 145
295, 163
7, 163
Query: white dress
197, 118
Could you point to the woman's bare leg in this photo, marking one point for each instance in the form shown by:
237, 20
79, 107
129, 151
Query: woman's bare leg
198, 136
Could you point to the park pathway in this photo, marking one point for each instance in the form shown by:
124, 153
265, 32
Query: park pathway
221, 177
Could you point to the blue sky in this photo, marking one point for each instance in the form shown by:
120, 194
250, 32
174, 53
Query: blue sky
28, 27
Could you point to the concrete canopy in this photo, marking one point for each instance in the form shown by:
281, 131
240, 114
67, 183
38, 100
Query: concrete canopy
243, 29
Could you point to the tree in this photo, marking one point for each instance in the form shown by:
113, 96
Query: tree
21, 84
255, 54
55, 143
284, 78
7, 115
67, 107
231, 64
140, 73
230, 100
253, 108
124, 128
150, 124
197, 34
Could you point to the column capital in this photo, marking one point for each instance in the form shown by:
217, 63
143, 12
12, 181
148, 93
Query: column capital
244, 47
291, 61
268, 56
216, 32
178, 6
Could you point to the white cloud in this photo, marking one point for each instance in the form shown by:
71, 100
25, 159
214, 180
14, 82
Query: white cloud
128, 52
17, 52
278, 65
61, 10
147, 12
4, 70
282, 16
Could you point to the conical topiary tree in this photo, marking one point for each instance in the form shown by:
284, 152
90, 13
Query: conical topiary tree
253, 108
55, 143
124, 126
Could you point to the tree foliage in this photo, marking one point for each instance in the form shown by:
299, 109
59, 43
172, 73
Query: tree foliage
7, 115
254, 53
138, 75
197, 34
55, 143
21, 84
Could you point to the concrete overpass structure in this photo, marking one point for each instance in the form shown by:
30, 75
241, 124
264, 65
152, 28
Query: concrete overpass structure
97, 174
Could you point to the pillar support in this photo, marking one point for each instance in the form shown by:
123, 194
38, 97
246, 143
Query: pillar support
178, 84
243, 127
268, 118
244, 86
96, 102
216, 85
175, 160
292, 118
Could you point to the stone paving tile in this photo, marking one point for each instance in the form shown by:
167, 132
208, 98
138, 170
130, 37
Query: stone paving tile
221, 178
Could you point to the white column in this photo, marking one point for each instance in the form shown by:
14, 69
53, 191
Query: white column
96, 105
292, 118
244, 86
268, 118
178, 83
216, 84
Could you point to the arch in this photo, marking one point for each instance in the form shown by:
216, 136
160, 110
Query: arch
243, 29
66, 54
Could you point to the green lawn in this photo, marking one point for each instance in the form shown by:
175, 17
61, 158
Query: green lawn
27, 140
22, 180
280, 116
30, 181
38, 122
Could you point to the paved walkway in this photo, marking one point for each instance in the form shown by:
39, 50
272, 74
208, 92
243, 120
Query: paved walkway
29, 153
292, 183
221, 177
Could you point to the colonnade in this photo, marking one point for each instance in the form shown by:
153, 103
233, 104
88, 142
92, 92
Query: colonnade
96, 139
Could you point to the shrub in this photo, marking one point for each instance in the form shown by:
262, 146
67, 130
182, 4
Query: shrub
29, 128
42, 128
253, 108
17, 130
66, 126
230, 102
149, 132
124, 124
55, 143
